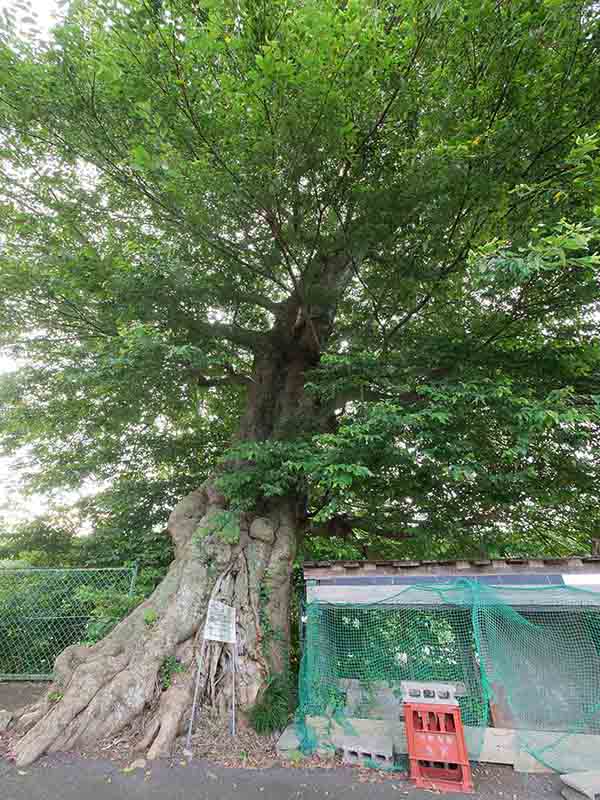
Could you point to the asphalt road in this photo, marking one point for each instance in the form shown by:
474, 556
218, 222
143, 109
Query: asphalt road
72, 777
76, 778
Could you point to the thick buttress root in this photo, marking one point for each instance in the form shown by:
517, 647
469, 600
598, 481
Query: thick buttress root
108, 686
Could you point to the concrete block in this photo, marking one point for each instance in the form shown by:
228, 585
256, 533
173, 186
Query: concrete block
586, 783
288, 745
432, 692
288, 741
376, 751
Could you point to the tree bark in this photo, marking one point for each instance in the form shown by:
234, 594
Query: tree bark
108, 686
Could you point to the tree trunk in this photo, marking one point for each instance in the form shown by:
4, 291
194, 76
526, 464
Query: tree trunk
106, 687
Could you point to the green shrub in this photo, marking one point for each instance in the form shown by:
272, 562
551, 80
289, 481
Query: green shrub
108, 609
169, 667
274, 707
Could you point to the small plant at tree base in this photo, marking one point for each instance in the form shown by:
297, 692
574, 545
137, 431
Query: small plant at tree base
295, 757
169, 667
273, 710
150, 617
54, 697
225, 525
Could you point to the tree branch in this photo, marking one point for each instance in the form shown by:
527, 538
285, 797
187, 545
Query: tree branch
248, 339
343, 527
228, 380
256, 299
362, 394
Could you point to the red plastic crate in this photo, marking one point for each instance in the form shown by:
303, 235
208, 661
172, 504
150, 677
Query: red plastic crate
436, 747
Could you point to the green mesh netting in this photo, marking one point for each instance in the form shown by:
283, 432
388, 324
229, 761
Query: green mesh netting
528, 660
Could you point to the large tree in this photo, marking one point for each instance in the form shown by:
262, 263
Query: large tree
336, 259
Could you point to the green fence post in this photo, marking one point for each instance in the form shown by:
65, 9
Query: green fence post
134, 574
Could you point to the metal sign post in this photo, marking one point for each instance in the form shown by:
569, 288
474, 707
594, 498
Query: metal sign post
220, 627
233, 670
188, 742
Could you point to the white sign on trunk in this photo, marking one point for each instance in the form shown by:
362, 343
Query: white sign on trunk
220, 623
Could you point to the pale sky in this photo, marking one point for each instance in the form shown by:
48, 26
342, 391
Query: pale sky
13, 505
44, 10
16, 506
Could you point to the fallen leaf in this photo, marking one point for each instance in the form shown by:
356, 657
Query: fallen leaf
139, 763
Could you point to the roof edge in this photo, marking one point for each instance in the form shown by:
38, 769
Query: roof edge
585, 564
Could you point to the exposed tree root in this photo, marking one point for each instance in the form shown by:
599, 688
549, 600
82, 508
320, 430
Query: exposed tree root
106, 687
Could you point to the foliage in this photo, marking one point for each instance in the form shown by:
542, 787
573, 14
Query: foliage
414, 185
124, 532
273, 709
42, 542
225, 525
108, 608
150, 617
170, 666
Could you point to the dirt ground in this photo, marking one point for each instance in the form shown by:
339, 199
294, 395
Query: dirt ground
247, 767
16, 694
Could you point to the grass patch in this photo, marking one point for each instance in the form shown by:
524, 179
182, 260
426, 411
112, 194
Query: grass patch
273, 710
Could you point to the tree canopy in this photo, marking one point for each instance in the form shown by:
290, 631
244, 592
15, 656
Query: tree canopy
417, 181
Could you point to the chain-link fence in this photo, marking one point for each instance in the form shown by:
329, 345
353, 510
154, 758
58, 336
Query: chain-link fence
42, 611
